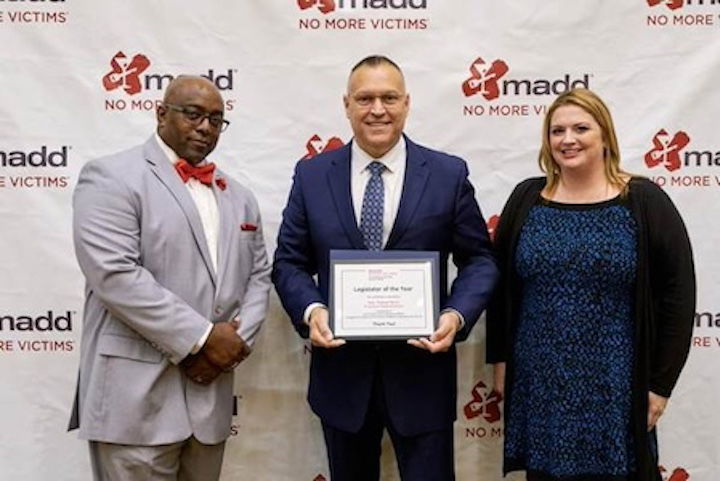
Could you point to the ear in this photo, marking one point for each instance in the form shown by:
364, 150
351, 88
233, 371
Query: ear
346, 103
160, 113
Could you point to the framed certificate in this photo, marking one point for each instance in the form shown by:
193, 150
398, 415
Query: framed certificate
383, 295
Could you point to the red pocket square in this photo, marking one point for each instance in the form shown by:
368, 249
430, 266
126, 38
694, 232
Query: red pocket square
248, 227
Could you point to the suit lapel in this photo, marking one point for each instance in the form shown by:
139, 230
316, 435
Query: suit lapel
416, 176
227, 224
165, 172
339, 181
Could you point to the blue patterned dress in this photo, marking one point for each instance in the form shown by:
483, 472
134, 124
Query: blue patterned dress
569, 413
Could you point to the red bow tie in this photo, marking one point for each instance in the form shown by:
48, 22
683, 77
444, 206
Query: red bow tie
203, 174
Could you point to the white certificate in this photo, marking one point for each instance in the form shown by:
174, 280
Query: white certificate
383, 295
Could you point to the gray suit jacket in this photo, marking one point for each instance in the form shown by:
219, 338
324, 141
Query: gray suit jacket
151, 291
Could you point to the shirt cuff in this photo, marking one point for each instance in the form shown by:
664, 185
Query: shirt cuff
308, 310
460, 316
201, 342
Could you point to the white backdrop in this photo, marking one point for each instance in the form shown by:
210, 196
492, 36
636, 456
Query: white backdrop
282, 67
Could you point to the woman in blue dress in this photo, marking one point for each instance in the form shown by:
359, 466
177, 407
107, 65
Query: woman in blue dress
592, 320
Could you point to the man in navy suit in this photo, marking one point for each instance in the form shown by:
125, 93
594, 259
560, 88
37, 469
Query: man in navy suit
360, 388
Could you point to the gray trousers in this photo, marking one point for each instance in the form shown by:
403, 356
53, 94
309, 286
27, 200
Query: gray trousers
187, 460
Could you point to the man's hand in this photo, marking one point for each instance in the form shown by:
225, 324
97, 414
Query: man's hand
499, 378
198, 368
320, 333
656, 407
224, 348
444, 335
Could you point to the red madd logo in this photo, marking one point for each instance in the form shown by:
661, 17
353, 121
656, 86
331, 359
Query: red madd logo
483, 404
315, 146
671, 4
484, 79
666, 150
494, 83
325, 6
492, 224
133, 86
678, 474
125, 73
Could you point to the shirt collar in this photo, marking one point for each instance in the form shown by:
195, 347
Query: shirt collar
391, 159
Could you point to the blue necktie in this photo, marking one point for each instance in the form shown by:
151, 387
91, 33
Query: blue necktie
371, 214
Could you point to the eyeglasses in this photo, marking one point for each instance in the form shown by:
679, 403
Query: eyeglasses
388, 100
196, 116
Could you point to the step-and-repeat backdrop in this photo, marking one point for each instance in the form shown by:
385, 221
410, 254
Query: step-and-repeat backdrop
81, 79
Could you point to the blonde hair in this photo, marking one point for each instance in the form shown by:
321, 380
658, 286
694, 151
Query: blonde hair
593, 105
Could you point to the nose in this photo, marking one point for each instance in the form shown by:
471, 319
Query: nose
568, 137
377, 107
204, 125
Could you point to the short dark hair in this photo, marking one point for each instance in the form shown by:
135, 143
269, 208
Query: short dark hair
374, 61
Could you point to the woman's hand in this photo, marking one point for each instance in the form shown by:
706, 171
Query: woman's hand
656, 407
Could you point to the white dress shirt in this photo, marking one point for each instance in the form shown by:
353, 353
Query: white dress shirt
205, 201
206, 204
393, 178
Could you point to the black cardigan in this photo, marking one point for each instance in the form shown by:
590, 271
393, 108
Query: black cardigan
664, 299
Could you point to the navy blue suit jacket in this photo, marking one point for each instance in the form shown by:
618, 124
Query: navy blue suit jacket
437, 212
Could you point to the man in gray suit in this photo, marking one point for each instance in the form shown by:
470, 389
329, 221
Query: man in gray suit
177, 281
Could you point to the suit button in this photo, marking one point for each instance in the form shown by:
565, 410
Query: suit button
218, 310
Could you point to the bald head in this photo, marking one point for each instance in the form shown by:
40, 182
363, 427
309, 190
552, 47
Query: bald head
180, 83
374, 61
182, 119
